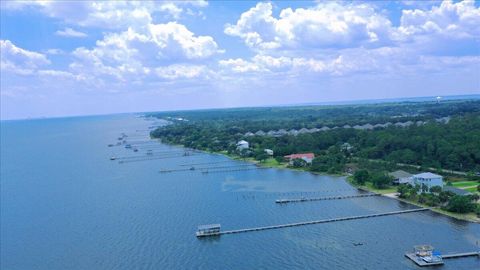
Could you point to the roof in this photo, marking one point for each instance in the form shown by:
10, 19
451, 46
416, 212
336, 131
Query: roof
242, 142
427, 175
400, 174
305, 155
457, 191
208, 226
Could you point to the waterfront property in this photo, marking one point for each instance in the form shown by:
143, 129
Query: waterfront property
307, 157
242, 145
427, 179
269, 152
401, 177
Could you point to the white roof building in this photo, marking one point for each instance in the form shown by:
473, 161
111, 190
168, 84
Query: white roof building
242, 145
429, 179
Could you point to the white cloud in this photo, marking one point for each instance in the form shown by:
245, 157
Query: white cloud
106, 14
328, 24
455, 20
174, 72
18, 60
54, 51
132, 52
69, 32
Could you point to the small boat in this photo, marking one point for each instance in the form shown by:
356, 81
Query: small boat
113, 158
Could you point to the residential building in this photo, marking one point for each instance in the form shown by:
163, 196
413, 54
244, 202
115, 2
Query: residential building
428, 179
307, 157
401, 177
242, 145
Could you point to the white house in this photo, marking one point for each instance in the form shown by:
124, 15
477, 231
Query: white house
242, 145
428, 179
269, 152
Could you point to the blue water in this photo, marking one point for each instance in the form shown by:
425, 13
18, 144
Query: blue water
66, 205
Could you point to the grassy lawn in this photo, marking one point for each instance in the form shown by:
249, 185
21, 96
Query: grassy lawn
370, 187
471, 189
465, 184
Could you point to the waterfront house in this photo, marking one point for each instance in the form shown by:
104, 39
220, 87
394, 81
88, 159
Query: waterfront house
428, 179
401, 177
242, 145
307, 157
346, 147
269, 152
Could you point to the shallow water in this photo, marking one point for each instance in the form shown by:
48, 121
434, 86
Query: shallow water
65, 205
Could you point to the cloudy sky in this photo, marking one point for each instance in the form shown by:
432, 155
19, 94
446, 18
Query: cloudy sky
76, 58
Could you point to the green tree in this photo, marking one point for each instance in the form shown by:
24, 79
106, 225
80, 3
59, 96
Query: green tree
381, 180
461, 204
361, 176
436, 189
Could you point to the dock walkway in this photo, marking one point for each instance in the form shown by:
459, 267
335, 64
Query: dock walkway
325, 198
420, 262
459, 255
317, 222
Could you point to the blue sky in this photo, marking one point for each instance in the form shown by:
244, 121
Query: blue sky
61, 58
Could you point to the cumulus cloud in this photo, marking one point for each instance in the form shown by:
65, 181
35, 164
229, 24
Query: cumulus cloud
106, 14
137, 53
330, 24
18, 60
457, 20
69, 32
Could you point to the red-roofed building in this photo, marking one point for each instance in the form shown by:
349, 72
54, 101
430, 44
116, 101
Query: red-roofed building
307, 157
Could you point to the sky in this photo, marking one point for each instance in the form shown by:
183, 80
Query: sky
64, 58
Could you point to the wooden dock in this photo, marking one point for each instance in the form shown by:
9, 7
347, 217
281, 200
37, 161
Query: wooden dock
420, 262
460, 255
317, 222
325, 198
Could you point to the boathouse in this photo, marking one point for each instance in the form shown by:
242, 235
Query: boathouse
208, 230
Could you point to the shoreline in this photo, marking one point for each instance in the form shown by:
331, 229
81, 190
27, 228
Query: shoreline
470, 217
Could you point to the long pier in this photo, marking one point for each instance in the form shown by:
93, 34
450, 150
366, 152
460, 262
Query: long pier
316, 222
213, 168
460, 255
325, 198
148, 158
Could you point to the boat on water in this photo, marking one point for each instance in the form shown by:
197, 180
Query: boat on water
113, 158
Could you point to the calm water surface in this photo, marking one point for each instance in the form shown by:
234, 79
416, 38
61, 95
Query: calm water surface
65, 205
